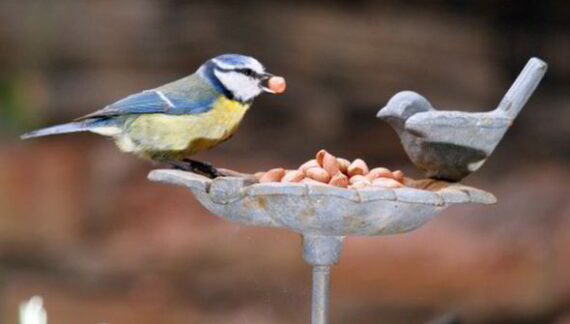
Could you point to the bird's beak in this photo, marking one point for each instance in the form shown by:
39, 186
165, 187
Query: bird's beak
272, 84
382, 113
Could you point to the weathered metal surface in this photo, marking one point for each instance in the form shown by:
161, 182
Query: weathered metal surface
324, 214
450, 145
322, 249
323, 209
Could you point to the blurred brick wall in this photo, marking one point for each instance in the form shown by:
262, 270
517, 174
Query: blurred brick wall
81, 225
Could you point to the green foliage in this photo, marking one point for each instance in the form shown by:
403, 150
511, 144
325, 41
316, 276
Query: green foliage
17, 109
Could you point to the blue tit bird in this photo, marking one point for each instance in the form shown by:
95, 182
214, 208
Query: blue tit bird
174, 121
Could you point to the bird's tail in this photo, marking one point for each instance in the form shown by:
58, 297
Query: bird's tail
523, 87
79, 126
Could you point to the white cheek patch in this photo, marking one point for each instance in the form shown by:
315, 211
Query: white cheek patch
241, 86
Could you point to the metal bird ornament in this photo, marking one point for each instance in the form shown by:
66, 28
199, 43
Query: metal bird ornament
450, 145
174, 121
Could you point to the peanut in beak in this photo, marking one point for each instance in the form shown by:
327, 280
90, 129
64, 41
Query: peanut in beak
277, 84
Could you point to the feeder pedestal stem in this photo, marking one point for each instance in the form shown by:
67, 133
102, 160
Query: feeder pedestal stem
320, 304
321, 251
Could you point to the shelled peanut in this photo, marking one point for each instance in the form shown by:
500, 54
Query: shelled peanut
326, 169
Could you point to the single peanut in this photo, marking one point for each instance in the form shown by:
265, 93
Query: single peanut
379, 172
357, 167
309, 164
311, 181
277, 84
318, 174
293, 176
320, 156
273, 175
330, 163
386, 183
358, 178
339, 180
258, 175
398, 175
360, 184
343, 165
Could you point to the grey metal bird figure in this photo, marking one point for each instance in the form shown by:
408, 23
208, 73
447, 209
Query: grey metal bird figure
449, 145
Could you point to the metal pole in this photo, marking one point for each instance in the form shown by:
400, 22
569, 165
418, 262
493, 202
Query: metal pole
321, 251
321, 285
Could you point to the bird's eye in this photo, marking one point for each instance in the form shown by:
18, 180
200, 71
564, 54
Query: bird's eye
248, 72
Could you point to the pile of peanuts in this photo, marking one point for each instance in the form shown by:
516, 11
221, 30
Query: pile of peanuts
339, 172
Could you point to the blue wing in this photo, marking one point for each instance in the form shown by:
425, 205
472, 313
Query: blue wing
154, 101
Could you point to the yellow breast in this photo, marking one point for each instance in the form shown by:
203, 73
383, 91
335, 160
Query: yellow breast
182, 134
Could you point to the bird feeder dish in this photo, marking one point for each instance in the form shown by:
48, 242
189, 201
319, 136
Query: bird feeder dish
324, 214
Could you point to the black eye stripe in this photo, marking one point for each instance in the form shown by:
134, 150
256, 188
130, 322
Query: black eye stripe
248, 72
245, 71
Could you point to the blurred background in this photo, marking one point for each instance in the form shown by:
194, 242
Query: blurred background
81, 226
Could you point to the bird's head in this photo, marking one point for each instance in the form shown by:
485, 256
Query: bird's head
403, 105
241, 77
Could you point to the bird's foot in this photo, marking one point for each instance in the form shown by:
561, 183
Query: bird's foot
203, 168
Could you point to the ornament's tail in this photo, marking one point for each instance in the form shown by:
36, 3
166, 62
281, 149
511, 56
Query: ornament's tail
523, 87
